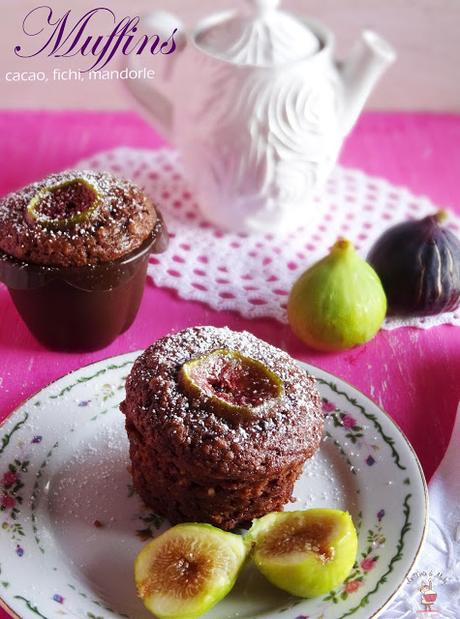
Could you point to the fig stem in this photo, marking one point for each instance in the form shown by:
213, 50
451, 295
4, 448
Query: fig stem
342, 245
441, 216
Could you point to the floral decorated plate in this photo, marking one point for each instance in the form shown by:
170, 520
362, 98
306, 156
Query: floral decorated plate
70, 524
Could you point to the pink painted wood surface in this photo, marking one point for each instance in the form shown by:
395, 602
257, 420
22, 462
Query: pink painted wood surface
413, 374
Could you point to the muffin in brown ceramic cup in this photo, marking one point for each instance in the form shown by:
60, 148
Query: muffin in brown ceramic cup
74, 250
220, 424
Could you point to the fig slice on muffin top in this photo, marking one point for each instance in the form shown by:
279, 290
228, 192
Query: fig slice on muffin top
64, 204
237, 386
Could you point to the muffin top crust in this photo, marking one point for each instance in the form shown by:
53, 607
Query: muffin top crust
75, 219
165, 416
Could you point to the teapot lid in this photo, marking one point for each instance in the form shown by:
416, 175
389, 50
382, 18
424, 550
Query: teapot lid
261, 35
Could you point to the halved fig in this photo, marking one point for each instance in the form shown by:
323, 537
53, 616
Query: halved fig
235, 385
188, 569
306, 553
64, 204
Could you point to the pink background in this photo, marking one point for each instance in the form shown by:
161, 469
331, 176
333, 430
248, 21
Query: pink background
413, 374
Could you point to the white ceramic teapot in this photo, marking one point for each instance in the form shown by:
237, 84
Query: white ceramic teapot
258, 109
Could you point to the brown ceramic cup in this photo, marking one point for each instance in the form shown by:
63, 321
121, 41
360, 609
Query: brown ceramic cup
80, 308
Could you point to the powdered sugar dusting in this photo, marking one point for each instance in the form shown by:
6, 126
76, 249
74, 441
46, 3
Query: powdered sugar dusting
281, 428
123, 218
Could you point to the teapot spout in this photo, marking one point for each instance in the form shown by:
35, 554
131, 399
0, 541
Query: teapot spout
367, 62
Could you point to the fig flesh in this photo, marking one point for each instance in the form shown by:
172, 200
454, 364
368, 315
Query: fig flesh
64, 204
419, 265
306, 553
234, 385
188, 569
337, 303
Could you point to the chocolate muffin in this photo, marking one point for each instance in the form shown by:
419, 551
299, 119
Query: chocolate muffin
74, 250
220, 424
77, 218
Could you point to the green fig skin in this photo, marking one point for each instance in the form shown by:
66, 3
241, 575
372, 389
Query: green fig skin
307, 573
268, 385
338, 303
34, 216
220, 554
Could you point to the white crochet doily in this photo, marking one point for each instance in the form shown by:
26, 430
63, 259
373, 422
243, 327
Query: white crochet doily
252, 274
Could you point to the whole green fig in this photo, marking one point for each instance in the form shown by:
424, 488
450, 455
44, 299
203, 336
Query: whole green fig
337, 303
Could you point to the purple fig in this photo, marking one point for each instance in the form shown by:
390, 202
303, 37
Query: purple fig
418, 263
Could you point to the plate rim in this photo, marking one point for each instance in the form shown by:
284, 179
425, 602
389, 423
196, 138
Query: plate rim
308, 366
422, 477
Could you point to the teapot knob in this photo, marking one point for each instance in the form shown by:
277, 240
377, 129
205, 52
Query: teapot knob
261, 6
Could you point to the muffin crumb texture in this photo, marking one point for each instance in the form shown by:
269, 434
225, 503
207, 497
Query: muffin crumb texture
189, 463
76, 218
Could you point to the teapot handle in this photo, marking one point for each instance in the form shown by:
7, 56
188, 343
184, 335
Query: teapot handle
155, 105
